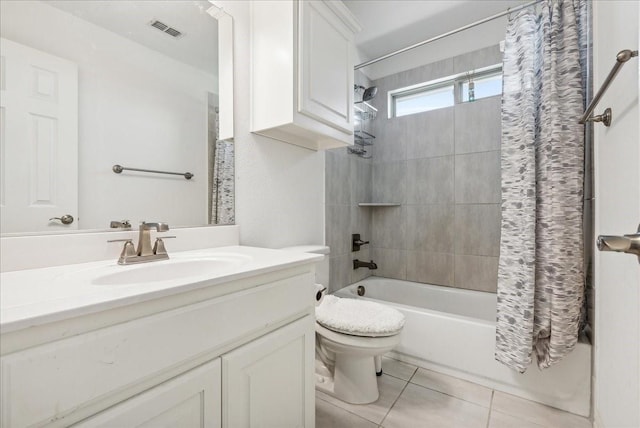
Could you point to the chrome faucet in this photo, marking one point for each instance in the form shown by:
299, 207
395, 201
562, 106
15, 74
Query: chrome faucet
144, 237
358, 264
144, 252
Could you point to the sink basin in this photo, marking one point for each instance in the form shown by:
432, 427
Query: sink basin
168, 270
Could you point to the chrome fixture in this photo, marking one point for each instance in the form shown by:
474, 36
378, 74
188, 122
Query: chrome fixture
65, 219
363, 113
122, 224
447, 34
367, 93
144, 252
629, 244
118, 169
358, 264
622, 57
360, 290
356, 242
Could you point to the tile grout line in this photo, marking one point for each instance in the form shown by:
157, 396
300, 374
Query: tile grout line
493, 391
395, 401
447, 394
346, 410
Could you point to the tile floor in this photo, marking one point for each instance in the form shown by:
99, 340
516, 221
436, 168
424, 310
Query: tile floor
412, 397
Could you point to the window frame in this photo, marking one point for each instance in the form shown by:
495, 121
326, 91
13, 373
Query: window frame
456, 81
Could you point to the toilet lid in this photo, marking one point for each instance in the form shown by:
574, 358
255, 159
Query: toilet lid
358, 317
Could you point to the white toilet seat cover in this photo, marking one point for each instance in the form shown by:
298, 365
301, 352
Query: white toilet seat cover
358, 317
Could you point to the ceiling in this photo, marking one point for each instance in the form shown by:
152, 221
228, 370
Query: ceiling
389, 25
198, 46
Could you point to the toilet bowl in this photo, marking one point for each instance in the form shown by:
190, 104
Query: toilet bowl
351, 337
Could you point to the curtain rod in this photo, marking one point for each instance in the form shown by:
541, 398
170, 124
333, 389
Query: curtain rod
449, 33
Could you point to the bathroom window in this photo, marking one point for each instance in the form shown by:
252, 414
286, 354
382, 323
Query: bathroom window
423, 99
486, 85
445, 92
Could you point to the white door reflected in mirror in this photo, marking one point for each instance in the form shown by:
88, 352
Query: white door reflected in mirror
39, 132
147, 80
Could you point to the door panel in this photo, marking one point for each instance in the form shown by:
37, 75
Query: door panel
269, 382
325, 67
191, 400
38, 139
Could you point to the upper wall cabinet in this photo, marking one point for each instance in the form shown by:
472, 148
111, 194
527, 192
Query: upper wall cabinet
302, 72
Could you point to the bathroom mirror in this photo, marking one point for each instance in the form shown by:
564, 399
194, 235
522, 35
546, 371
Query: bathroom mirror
88, 86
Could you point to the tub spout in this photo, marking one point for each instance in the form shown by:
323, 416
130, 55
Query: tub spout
358, 264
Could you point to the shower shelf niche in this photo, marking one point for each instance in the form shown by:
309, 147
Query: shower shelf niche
378, 204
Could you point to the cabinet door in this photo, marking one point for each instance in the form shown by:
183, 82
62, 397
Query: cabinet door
269, 382
189, 400
325, 66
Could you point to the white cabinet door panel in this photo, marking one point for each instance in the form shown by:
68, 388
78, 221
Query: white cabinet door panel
190, 400
269, 382
325, 66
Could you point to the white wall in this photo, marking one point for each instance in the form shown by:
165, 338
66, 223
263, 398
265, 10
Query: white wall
617, 209
279, 187
137, 108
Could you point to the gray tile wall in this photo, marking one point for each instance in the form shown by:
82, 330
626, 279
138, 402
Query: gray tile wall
348, 181
443, 167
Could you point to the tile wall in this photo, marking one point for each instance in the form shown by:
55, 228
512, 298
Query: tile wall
348, 181
443, 167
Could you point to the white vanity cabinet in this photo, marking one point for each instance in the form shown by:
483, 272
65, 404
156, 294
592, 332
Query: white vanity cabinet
302, 72
266, 381
235, 354
192, 399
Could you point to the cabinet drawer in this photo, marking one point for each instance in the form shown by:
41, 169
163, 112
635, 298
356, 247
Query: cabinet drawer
47, 382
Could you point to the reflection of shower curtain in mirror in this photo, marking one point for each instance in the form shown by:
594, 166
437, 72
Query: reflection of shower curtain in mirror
221, 175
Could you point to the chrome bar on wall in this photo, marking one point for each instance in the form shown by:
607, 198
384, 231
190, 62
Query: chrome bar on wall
118, 169
622, 57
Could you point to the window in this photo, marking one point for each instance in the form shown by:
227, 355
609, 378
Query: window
445, 92
484, 86
424, 99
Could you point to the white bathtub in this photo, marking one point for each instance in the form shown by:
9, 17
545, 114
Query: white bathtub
452, 331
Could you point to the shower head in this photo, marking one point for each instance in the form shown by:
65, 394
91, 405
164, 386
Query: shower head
369, 93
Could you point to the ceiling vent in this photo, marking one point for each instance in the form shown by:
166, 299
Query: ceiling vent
166, 29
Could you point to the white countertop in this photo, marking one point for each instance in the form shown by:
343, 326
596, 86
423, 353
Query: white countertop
37, 296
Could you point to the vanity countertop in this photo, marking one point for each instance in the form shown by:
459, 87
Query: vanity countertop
34, 297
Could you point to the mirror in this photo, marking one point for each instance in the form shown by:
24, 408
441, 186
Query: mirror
106, 106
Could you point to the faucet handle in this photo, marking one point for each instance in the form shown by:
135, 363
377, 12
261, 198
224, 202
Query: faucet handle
158, 247
127, 251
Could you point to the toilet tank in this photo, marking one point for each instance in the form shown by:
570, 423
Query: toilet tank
322, 267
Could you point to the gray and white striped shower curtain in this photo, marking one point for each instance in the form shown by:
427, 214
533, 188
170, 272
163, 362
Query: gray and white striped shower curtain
541, 274
222, 183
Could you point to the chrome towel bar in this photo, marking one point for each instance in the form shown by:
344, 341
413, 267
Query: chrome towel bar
622, 57
118, 169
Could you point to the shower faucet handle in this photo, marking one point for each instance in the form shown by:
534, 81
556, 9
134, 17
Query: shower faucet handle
629, 244
356, 242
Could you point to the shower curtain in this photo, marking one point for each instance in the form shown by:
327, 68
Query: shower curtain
541, 274
222, 182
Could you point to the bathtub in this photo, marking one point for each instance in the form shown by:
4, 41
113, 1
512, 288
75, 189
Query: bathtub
452, 331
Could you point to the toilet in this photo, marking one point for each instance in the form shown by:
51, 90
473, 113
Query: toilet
351, 337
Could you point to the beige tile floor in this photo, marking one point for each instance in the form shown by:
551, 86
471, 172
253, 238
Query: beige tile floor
412, 397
